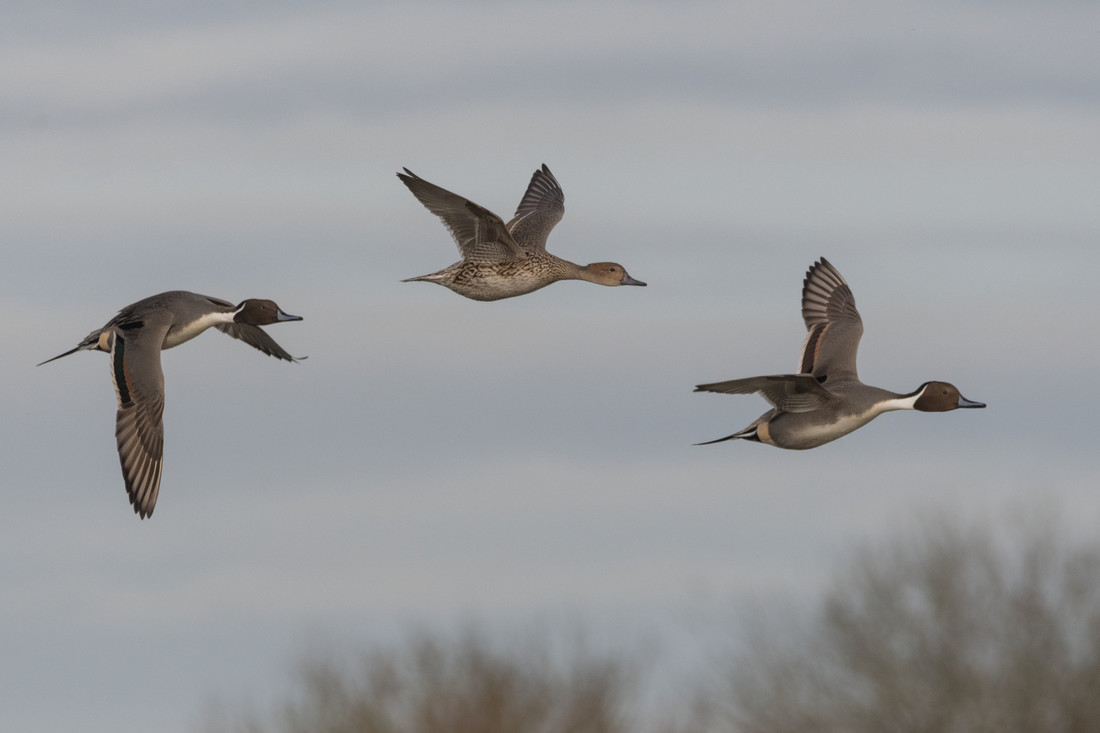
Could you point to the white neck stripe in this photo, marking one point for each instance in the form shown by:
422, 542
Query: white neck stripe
901, 403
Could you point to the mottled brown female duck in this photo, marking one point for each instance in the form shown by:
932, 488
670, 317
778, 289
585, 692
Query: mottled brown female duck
505, 260
134, 339
826, 400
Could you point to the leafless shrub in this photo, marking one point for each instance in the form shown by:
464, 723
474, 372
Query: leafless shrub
953, 629
948, 629
432, 685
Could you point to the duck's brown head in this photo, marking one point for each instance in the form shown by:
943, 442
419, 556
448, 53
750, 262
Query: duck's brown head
608, 273
941, 397
260, 312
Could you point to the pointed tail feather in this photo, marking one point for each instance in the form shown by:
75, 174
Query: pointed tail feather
735, 436
748, 433
70, 351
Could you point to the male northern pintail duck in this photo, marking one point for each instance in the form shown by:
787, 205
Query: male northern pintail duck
826, 400
134, 339
504, 260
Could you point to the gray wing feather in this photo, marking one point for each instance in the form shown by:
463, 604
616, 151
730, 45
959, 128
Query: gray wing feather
541, 208
833, 324
255, 337
139, 428
479, 233
786, 392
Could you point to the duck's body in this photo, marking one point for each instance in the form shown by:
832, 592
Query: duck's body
479, 280
826, 400
134, 338
505, 260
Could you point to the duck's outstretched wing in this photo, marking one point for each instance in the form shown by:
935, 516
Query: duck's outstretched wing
139, 428
786, 392
479, 233
541, 208
257, 338
833, 324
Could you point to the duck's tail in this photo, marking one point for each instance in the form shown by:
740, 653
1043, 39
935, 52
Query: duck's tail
90, 343
748, 433
435, 277
70, 351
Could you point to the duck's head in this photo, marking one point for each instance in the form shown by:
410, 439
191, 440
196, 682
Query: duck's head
941, 397
260, 312
608, 273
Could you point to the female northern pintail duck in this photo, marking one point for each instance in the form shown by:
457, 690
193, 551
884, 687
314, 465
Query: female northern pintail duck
134, 339
504, 260
826, 400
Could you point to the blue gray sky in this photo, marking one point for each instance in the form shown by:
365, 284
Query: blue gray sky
438, 460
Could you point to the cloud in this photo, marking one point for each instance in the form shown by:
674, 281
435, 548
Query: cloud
412, 55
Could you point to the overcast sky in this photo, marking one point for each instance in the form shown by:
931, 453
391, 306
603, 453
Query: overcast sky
438, 460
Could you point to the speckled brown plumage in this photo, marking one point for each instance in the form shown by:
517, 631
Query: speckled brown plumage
505, 260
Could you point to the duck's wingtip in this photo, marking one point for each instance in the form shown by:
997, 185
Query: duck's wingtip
141, 510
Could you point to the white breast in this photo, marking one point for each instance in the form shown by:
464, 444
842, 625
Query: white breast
187, 331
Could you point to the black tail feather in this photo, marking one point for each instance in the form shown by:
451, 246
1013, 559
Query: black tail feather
70, 351
746, 434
